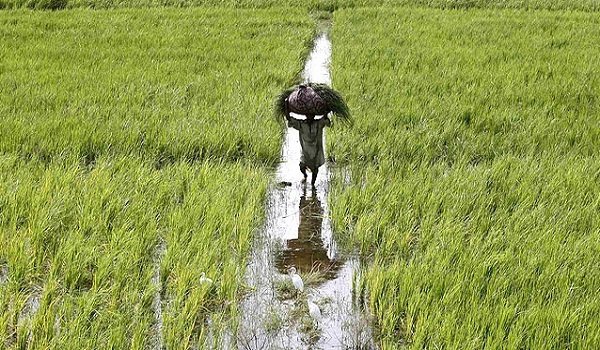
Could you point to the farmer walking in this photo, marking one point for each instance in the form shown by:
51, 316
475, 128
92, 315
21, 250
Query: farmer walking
310, 132
311, 100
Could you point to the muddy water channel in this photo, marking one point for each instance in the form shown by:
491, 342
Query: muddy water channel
298, 234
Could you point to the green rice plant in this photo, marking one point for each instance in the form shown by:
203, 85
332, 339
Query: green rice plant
81, 243
132, 146
163, 84
496, 83
470, 179
210, 231
77, 243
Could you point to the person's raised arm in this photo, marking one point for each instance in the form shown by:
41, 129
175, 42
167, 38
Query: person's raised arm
287, 110
326, 120
291, 121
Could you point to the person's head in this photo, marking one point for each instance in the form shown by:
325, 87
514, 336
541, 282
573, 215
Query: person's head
310, 117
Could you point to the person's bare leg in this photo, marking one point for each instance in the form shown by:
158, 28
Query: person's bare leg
314, 176
303, 170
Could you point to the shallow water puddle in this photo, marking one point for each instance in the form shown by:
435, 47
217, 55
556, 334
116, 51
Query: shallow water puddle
27, 312
156, 332
3, 274
298, 233
25, 318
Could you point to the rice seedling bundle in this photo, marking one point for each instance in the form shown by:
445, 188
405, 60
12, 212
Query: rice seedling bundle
313, 98
304, 100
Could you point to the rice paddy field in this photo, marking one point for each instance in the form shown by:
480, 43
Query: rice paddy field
134, 144
474, 174
137, 144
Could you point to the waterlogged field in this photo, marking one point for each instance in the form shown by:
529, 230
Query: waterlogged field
471, 178
83, 243
135, 148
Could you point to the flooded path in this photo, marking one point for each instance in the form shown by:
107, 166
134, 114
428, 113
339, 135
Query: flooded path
297, 233
156, 333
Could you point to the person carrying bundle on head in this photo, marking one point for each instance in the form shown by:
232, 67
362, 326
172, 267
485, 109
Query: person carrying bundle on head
310, 133
311, 100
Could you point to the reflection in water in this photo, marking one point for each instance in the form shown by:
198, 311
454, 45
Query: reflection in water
307, 252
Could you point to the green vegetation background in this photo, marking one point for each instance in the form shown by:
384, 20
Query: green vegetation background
135, 148
470, 181
472, 175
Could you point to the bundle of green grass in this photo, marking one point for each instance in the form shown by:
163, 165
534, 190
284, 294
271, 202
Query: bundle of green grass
311, 98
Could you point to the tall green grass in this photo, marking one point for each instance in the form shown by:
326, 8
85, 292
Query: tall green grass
446, 85
165, 84
129, 136
87, 240
471, 176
